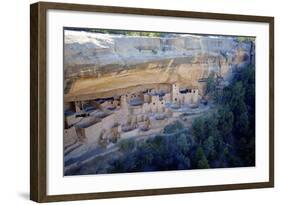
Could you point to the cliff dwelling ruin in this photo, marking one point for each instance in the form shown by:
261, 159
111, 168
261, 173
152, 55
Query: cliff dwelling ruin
119, 87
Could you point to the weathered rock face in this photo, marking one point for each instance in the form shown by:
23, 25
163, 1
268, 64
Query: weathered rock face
85, 51
113, 60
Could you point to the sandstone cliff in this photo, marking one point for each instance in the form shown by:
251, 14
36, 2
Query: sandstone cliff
107, 62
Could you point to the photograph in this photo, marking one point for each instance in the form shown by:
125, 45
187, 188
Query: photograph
143, 101
147, 101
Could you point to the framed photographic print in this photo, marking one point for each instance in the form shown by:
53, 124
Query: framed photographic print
134, 102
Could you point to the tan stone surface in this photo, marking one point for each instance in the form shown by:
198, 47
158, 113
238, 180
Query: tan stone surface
135, 80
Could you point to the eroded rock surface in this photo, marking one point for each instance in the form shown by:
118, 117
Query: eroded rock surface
100, 63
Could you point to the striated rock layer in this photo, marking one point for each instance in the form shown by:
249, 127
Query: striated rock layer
101, 65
